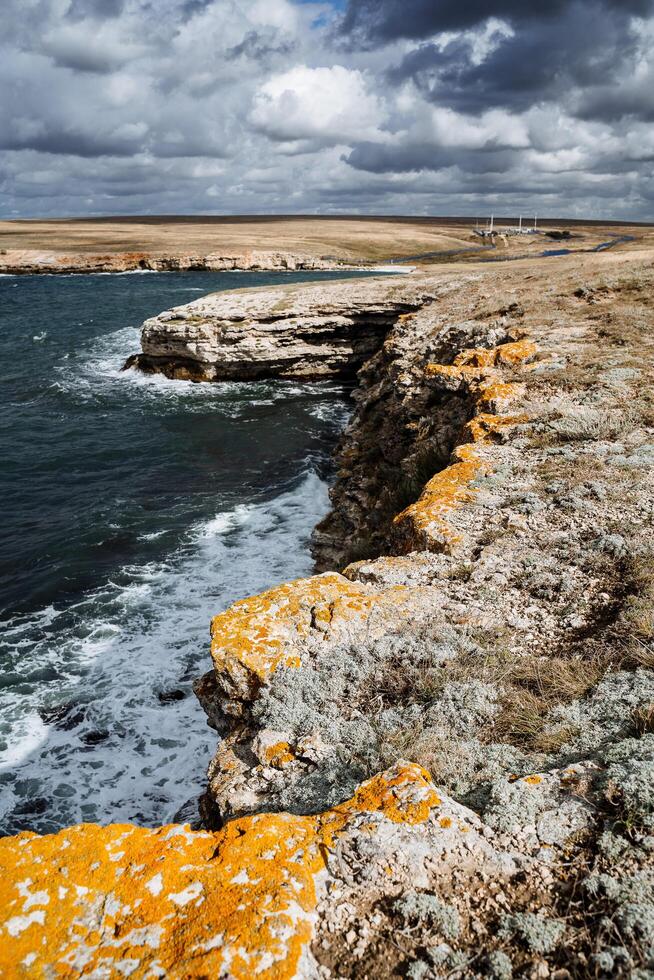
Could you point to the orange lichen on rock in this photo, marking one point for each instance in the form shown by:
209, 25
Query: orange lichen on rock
455, 373
495, 396
477, 363
486, 426
446, 491
127, 901
278, 755
252, 635
514, 352
424, 524
405, 794
256, 635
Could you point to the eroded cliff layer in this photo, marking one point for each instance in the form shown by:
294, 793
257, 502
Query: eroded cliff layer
32, 261
437, 761
295, 331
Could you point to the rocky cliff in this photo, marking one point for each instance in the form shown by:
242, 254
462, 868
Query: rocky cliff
294, 331
31, 262
436, 757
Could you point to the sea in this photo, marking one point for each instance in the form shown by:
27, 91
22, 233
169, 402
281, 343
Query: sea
133, 509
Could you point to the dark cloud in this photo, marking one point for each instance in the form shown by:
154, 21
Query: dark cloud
80, 57
81, 144
192, 7
610, 103
260, 45
379, 21
543, 60
382, 158
80, 9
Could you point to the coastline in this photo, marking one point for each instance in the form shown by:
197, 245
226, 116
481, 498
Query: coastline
33, 262
488, 532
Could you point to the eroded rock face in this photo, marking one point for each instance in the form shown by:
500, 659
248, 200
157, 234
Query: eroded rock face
300, 636
26, 261
486, 641
308, 331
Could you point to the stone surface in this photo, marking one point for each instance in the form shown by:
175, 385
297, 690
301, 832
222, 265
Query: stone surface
294, 331
485, 639
127, 901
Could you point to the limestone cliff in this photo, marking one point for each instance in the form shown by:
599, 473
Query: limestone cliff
296, 331
32, 262
437, 761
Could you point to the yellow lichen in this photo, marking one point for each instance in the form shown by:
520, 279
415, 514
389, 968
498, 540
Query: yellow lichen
533, 780
406, 796
495, 396
124, 900
486, 426
476, 363
445, 492
255, 636
424, 524
278, 755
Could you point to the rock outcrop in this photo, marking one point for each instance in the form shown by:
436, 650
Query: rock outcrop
30, 262
296, 331
437, 756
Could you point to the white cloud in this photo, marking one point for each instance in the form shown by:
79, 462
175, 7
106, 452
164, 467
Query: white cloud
321, 106
495, 128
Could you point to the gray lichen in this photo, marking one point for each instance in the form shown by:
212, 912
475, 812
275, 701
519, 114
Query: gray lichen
539, 933
429, 911
628, 781
499, 966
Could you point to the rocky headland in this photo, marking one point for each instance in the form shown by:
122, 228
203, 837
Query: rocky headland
436, 756
304, 331
19, 262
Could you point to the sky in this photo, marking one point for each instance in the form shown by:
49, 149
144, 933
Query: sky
426, 107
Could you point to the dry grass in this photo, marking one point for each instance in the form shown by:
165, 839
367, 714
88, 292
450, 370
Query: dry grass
634, 628
347, 237
534, 687
529, 687
643, 719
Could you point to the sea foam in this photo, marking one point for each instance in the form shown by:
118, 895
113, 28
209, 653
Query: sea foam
110, 749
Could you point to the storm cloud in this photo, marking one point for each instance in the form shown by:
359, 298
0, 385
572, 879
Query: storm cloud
375, 21
377, 106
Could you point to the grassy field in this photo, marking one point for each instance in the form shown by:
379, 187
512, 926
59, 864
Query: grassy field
346, 238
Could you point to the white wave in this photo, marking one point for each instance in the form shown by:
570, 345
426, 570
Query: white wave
152, 536
28, 735
223, 523
96, 372
86, 275
120, 753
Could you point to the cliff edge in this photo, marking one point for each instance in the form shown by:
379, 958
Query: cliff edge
436, 756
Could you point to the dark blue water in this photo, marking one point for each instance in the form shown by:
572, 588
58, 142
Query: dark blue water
133, 509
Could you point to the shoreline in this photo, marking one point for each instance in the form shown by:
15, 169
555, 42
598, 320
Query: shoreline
125, 264
447, 731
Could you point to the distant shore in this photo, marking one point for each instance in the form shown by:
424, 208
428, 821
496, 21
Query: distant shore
261, 244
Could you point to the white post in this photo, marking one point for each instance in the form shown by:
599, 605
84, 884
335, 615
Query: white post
492, 224
520, 223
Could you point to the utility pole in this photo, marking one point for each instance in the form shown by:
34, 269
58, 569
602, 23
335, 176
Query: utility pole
492, 223
520, 227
